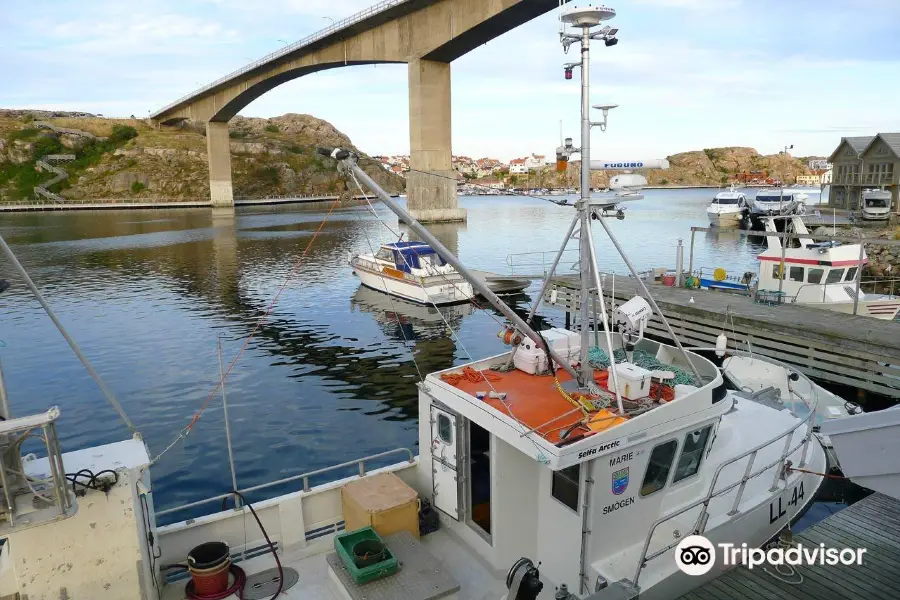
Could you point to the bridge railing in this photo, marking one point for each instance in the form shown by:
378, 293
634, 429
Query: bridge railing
335, 27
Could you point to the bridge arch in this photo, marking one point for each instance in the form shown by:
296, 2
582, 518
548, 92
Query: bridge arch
426, 34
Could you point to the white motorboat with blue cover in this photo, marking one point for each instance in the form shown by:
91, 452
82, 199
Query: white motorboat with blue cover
413, 271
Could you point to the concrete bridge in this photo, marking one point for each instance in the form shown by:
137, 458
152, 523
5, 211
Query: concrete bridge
426, 34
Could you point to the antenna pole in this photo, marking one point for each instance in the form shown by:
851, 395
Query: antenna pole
584, 239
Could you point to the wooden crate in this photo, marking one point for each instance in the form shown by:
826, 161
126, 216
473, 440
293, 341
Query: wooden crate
383, 502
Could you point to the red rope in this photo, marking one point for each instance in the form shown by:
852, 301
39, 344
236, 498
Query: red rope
264, 316
817, 473
471, 375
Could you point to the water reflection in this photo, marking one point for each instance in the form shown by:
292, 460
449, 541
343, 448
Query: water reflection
328, 375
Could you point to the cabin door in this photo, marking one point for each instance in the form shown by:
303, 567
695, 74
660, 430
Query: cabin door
445, 461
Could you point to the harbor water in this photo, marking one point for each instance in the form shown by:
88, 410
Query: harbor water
328, 375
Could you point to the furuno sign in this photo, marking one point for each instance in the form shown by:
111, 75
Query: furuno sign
623, 165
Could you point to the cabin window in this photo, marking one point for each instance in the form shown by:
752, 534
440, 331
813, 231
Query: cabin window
691, 454
815, 275
835, 276
796, 274
445, 429
658, 467
776, 271
384, 254
851, 274
565, 485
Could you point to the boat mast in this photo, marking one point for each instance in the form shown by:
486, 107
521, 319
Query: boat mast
586, 19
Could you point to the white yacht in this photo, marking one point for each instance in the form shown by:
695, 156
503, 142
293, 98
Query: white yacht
822, 274
777, 201
413, 271
727, 208
595, 472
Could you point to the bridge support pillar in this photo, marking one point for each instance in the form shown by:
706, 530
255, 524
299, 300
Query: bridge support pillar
218, 151
432, 194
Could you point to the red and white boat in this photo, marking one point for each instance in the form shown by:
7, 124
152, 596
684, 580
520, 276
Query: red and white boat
820, 274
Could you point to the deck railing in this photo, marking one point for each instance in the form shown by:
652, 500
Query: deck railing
749, 472
360, 463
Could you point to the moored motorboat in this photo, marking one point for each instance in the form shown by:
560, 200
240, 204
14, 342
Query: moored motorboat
411, 270
777, 201
728, 208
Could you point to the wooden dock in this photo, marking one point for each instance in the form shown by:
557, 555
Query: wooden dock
872, 523
861, 352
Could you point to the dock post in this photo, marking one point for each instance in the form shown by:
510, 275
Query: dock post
691, 257
679, 263
859, 268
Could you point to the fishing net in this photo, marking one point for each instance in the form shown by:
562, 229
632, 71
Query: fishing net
599, 359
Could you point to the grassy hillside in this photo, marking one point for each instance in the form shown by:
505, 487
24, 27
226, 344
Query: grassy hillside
270, 157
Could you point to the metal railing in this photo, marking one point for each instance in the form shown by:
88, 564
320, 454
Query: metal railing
280, 53
888, 285
749, 472
539, 259
428, 280
360, 463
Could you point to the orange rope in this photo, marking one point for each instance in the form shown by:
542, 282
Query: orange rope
264, 316
826, 475
471, 375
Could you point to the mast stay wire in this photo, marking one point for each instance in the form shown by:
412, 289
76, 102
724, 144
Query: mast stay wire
61, 328
221, 380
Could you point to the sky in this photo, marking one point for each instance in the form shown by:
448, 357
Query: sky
687, 74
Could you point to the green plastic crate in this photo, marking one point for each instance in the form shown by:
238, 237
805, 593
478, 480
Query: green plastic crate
344, 543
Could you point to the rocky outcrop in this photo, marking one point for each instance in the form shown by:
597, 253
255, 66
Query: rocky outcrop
270, 157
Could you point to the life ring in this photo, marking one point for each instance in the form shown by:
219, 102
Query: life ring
719, 274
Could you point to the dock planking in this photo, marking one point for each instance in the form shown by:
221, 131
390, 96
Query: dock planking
872, 523
861, 352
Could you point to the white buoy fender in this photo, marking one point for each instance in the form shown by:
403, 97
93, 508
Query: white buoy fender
721, 345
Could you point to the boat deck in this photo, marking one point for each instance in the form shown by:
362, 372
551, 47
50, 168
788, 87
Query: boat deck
476, 580
872, 523
535, 402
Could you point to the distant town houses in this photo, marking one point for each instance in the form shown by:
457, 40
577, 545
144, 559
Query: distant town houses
472, 168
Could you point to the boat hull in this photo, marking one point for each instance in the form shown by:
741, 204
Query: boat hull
725, 218
755, 528
446, 292
878, 309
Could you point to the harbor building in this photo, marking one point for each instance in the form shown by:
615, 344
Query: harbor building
865, 162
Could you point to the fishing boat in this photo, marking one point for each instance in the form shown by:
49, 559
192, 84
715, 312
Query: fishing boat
818, 274
728, 208
413, 271
577, 463
777, 201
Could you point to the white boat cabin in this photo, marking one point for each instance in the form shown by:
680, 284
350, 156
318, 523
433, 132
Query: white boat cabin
509, 482
813, 272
